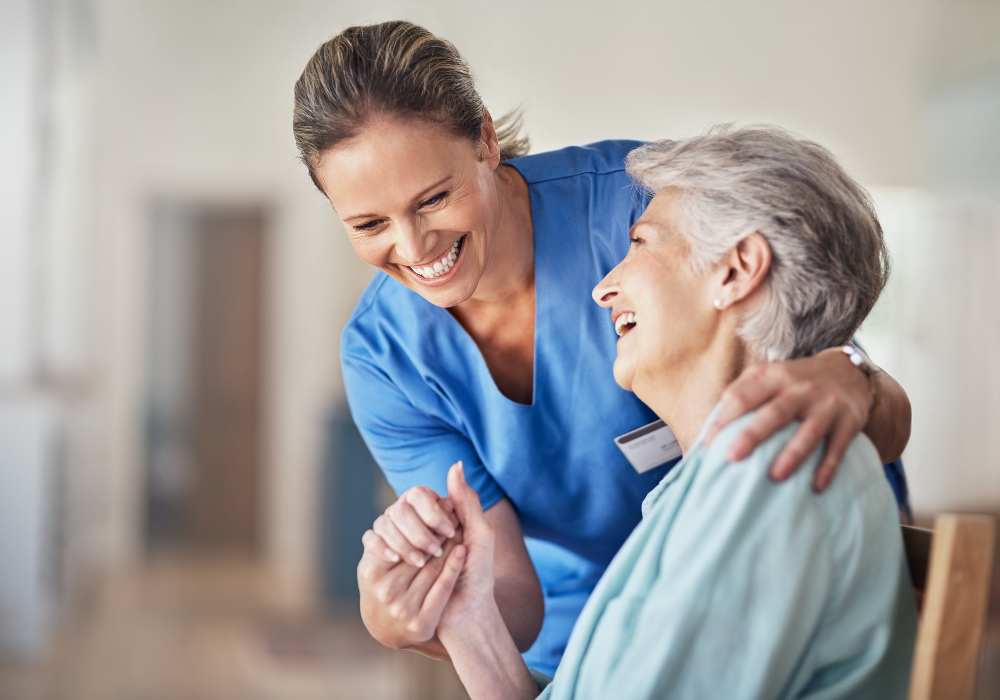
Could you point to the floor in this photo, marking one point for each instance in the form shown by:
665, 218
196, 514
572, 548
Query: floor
211, 631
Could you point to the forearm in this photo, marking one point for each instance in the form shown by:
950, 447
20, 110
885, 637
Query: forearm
486, 658
888, 424
521, 607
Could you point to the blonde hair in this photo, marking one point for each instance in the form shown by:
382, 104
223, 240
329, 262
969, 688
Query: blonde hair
390, 68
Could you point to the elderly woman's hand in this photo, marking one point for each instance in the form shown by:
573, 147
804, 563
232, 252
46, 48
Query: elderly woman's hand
828, 394
472, 599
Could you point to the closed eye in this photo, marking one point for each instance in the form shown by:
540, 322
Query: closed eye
636, 240
436, 199
368, 225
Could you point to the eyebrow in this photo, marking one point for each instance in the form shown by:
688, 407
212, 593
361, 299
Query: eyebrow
659, 229
420, 195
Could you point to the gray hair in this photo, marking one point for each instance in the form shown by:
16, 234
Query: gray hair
829, 261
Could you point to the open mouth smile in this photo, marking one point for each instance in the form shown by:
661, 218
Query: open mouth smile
441, 268
624, 322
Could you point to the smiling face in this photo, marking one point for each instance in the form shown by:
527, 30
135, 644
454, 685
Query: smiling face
418, 202
661, 308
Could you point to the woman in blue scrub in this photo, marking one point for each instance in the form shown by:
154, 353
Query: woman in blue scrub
477, 342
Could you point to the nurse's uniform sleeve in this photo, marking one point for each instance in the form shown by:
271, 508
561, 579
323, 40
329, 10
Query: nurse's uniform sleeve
758, 595
411, 447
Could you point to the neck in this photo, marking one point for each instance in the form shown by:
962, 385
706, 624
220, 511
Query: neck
684, 395
510, 262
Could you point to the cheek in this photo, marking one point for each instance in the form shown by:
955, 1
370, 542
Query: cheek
370, 252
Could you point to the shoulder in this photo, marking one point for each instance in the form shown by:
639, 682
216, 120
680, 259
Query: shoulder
857, 493
382, 316
599, 158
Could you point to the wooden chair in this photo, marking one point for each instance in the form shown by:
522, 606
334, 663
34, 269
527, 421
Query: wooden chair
950, 567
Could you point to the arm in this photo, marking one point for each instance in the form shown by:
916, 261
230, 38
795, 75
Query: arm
834, 401
486, 659
472, 628
888, 425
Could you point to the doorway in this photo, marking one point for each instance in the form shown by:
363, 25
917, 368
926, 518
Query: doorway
204, 439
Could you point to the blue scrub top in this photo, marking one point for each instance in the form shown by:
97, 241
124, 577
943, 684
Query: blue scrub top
423, 397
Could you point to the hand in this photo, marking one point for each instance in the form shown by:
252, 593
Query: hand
401, 604
402, 595
414, 527
825, 392
473, 593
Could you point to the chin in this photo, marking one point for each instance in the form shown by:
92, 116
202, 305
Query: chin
623, 375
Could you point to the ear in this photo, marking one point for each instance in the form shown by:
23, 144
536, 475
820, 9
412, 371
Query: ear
489, 144
743, 269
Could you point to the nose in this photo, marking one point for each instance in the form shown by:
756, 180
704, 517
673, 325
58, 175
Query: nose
607, 289
412, 244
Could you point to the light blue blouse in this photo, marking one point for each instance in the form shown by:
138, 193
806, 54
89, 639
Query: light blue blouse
735, 587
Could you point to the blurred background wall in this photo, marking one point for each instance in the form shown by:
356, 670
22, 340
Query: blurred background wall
167, 271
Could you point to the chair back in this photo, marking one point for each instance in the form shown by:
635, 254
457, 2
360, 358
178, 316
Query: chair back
950, 568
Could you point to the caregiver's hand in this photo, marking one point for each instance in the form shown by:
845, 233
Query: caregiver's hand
414, 527
825, 392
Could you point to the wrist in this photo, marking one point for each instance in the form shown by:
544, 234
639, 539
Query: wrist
475, 626
865, 367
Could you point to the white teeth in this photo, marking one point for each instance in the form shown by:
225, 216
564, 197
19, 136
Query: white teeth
623, 322
441, 265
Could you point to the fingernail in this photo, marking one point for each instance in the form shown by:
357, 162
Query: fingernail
393, 557
450, 532
438, 552
417, 561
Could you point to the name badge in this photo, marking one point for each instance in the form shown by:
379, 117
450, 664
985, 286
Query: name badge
650, 446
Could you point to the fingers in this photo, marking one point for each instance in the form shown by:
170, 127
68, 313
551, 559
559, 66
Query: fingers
836, 448
391, 586
440, 592
816, 425
752, 388
380, 580
432, 511
769, 419
412, 527
466, 499
385, 528
435, 581
375, 544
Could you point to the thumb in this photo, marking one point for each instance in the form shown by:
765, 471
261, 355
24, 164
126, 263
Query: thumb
465, 498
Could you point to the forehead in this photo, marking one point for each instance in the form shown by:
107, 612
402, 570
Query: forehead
660, 215
388, 163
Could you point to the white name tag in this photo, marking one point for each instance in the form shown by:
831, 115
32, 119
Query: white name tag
649, 447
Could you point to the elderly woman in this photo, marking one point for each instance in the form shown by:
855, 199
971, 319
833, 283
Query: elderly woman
755, 247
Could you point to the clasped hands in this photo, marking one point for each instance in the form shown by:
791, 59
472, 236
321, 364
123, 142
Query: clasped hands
427, 565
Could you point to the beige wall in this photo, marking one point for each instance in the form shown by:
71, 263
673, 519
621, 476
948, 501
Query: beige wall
194, 97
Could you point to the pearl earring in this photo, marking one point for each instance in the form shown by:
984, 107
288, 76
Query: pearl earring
717, 304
